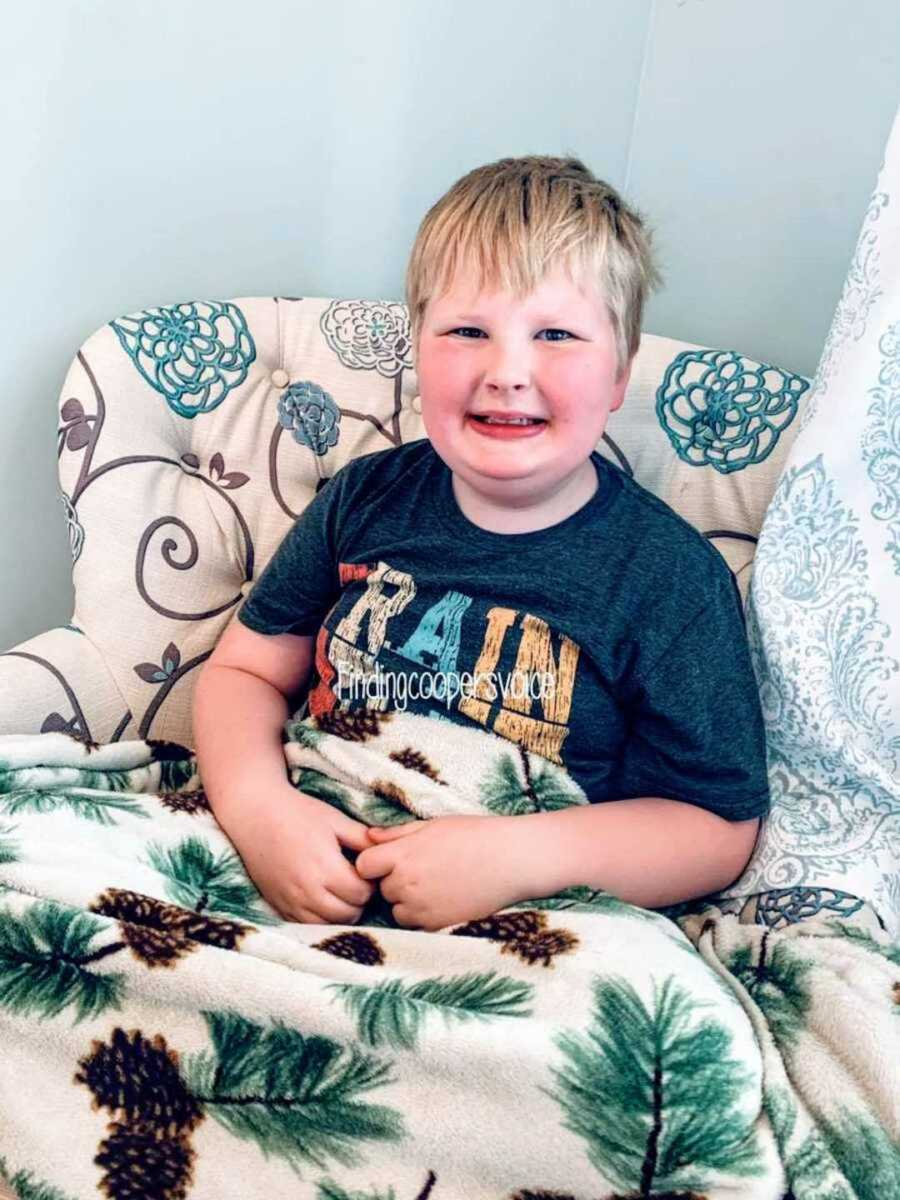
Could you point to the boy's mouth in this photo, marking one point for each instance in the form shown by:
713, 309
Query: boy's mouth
517, 419
516, 425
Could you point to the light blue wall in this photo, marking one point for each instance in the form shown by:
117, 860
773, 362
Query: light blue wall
760, 132
156, 153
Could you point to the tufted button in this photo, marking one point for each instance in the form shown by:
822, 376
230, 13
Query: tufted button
246, 587
280, 378
416, 404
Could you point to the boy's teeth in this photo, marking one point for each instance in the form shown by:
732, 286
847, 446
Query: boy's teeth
509, 420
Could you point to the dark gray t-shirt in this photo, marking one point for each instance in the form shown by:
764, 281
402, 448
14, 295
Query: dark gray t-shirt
611, 643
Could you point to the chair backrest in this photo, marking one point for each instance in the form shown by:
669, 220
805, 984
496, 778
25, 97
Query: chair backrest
192, 436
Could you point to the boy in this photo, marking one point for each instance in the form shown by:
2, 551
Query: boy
503, 541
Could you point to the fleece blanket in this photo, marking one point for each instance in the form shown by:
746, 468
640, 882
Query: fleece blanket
164, 1034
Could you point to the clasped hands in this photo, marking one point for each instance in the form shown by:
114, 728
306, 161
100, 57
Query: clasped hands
448, 869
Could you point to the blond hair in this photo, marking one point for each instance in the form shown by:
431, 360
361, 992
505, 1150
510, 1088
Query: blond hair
514, 220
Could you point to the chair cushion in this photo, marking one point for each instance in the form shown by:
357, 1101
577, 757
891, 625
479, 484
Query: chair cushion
193, 435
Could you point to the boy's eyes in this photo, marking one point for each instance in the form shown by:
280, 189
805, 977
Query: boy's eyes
470, 330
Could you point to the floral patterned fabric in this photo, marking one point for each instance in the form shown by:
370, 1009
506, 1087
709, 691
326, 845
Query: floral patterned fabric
192, 435
824, 618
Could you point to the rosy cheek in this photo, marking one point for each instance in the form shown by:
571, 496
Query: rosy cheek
440, 371
561, 382
571, 379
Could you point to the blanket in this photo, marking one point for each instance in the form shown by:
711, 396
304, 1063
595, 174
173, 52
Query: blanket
166, 1035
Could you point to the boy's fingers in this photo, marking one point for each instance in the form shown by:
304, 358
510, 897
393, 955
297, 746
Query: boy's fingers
351, 833
351, 887
390, 833
374, 862
337, 910
403, 916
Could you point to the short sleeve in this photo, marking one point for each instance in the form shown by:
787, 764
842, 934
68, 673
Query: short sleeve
300, 583
695, 729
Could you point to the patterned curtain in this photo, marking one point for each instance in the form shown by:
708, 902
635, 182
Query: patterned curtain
824, 608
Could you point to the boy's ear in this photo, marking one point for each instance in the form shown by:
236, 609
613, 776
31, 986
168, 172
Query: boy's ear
621, 386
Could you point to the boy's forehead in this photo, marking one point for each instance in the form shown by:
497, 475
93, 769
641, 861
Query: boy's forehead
466, 288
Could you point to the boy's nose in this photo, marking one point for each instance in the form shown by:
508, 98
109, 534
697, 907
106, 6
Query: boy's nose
507, 373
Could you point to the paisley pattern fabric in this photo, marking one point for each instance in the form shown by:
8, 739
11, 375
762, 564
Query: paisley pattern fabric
823, 616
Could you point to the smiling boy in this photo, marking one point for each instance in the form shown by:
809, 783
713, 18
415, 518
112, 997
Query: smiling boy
503, 544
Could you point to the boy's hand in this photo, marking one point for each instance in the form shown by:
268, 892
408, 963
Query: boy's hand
447, 870
290, 844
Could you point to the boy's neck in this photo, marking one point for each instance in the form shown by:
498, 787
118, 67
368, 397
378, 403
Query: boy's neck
503, 514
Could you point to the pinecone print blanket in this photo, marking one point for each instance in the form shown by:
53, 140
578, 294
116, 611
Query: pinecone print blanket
163, 1034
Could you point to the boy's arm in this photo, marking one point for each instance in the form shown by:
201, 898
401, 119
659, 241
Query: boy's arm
239, 709
695, 729
292, 844
648, 851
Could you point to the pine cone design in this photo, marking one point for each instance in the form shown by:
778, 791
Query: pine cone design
357, 726
190, 803
659, 1196
213, 931
142, 1166
159, 933
524, 934
542, 1195
392, 794
161, 751
542, 947
356, 946
138, 1081
529, 1195
505, 928
153, 947
415, 761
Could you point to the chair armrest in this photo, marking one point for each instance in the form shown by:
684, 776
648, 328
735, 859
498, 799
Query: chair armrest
58, 681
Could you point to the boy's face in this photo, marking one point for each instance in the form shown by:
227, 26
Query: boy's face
549, 355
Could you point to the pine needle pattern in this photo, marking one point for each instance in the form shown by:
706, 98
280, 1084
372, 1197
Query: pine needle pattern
294, 1096
98, 807
393, 1013
320, 1060
46, 955
318, 784
199, 880
779, 982
26, 1187
9, 847
665, 1102
543, 787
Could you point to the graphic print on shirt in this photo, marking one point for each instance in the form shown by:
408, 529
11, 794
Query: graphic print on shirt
529, 704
